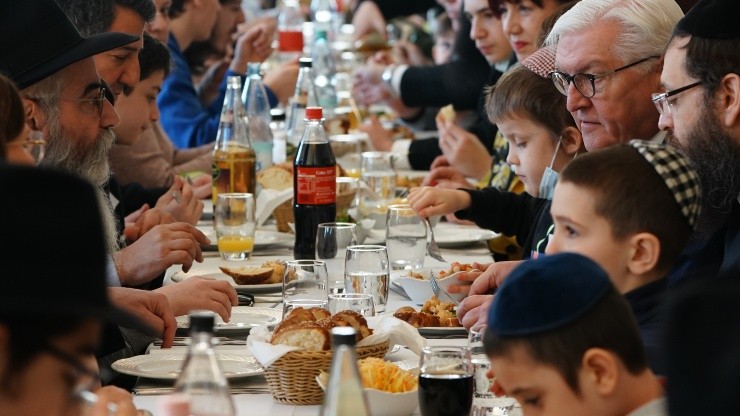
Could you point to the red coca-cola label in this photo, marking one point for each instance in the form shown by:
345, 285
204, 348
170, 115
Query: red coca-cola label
290, 41
316, 186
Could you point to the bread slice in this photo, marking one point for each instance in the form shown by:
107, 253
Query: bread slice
307, 335
278, 267
248, 275
447, 113
275, 178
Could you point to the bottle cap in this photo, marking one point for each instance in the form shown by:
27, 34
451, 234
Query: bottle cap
201, 321
277, 114
343, 335
321, 34
305, 62
314, 113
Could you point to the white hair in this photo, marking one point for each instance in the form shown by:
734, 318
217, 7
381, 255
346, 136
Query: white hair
646, 25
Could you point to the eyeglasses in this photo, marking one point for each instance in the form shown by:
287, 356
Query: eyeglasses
98, 102
661, 99
585, 82
87, 379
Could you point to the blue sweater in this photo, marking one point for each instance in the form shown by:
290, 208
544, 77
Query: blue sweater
183, 116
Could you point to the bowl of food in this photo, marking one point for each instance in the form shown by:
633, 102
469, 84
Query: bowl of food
390, 389
416, 282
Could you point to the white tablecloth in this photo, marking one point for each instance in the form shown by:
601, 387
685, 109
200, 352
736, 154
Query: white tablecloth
262, 404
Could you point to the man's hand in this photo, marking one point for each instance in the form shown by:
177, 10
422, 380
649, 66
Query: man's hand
181, 202
158, 249
255, 45
199, 293
367, 18
474, 310
202, 186
281, 80
151, 308
492, 277
148, 219
380, 138
115, 395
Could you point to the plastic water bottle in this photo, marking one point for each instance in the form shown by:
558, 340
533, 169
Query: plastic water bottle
325, 72
303, 96
345, 394
257, 110
200, 378
323, 16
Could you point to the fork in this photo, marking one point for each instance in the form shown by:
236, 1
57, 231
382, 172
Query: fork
432, 247
438, 290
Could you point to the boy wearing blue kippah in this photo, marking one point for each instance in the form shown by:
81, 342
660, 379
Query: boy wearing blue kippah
631, 209
563, 341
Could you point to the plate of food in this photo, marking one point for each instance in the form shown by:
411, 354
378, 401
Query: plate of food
450, 235
416, 282
166, 366
435, 318
243, 318
264, 278
262, 238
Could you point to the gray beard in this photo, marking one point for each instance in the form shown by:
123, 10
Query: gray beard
716, 159
64, 153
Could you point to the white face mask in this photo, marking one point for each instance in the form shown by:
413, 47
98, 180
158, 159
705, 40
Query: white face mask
550, 177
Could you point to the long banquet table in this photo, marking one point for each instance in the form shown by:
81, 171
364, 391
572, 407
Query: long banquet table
262, 403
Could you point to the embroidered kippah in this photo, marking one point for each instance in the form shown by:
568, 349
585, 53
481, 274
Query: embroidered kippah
677, 174
542, 61
547, 293
712, 19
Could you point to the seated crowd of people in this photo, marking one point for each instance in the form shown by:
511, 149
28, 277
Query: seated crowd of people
599, 138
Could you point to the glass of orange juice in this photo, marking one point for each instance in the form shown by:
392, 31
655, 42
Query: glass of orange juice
235, 225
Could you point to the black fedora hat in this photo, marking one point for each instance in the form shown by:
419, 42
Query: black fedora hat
53, 261
37, 40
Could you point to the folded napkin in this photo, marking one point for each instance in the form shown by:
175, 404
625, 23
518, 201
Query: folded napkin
267, 201
384, 328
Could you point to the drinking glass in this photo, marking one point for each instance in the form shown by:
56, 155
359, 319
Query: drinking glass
304, 285
332, 240
406, 238
378, 187
484, 401
347, 151
445, 381
366, 271
346, 196
235, 225
358, 302
35, 145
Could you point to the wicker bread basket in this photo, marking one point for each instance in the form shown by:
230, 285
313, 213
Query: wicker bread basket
292, 378
283, 214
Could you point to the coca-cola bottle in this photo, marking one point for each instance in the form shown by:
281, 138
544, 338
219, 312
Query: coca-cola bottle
314, 184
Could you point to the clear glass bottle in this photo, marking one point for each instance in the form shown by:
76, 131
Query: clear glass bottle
323, 16
304, 96
314, 185
325, 72
201, 378
344, 394
257, 110
290, 30
234, 160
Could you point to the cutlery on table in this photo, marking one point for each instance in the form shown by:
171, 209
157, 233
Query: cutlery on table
438, 290
432, 248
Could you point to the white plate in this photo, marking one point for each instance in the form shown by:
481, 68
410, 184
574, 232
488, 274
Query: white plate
442, 331
217, 274
166, 366
456, 235
243, 318
262, 238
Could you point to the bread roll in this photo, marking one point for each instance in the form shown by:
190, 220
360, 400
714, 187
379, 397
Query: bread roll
248, 275
278, 267
447, 113
276, 178
307, 335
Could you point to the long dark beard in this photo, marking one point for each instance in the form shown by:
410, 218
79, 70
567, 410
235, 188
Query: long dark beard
91, 163
716, 158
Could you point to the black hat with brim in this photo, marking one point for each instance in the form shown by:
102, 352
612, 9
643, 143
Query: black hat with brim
54, 257
37, 40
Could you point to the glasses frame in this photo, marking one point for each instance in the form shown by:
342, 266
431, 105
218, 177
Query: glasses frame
106, 94
661, 99
81, 369
555, 76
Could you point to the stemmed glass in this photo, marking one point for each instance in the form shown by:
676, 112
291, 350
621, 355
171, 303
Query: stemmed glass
445, 381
